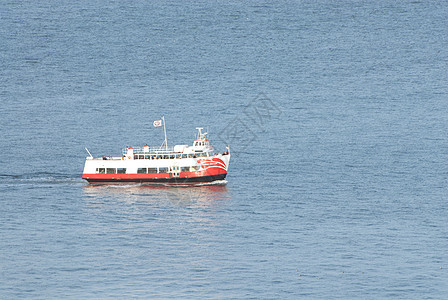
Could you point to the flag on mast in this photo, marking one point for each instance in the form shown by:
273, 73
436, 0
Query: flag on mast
157, 123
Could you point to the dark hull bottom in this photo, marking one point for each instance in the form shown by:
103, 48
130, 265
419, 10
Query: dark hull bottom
174, 180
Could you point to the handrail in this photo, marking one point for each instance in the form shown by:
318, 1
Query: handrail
155, 149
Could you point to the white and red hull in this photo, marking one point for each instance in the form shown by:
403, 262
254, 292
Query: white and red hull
209, 169
157, 180
181, 164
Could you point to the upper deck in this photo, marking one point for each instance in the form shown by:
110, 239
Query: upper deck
150, 150
201, 148
153, 156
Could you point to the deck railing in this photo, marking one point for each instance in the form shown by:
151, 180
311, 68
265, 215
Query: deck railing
149, 150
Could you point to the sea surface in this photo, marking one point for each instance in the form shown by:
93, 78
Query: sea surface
336, 114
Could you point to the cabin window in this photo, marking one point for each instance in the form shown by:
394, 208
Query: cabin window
147, 157
163, 170
185, 169
152, 170
111, 170
141, 170
194, 168
121, 170
100, 170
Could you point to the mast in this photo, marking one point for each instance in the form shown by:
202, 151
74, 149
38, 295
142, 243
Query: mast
164, 130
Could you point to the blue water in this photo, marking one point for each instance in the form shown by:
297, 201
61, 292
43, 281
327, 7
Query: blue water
336, 114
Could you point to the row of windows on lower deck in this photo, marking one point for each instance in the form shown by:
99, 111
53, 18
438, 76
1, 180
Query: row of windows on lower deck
111, 170
170, 156
165, 170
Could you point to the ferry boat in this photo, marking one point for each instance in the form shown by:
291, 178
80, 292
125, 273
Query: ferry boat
181, 164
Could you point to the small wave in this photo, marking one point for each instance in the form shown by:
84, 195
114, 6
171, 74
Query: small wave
6, 176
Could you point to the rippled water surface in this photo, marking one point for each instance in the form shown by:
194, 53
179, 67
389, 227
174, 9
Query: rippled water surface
336, 114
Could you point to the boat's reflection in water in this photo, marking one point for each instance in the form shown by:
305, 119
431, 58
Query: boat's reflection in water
192, 195
157, 215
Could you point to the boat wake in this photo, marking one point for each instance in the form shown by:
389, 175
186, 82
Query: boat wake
40, 178
156, 185
44, 178
214, 183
